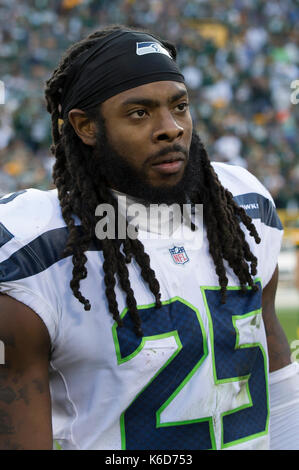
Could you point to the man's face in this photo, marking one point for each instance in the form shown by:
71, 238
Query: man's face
149, 128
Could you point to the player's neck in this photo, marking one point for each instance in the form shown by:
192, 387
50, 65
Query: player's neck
151, 218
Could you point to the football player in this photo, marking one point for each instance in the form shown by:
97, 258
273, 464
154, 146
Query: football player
139, 342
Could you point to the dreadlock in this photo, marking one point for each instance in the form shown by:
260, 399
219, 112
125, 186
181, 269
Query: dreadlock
79, 193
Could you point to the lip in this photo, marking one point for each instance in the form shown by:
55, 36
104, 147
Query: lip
169, 167
169, 164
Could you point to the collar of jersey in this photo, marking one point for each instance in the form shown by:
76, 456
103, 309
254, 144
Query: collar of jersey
161, 233
144, 217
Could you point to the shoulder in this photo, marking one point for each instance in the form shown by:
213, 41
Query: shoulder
238, 180
249, 193
27, 214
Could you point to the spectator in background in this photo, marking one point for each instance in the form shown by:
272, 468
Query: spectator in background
239, 68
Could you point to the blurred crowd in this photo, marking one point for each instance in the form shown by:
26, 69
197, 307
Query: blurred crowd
239, 58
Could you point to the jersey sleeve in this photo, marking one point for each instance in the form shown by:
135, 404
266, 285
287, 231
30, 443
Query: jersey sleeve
258, 203
24, 219
271, 233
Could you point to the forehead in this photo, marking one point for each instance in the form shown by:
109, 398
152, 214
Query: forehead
162, 91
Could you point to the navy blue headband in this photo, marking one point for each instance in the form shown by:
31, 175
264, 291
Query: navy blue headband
116, 63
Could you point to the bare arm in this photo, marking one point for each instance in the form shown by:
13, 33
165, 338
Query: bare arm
278, 347
25, 406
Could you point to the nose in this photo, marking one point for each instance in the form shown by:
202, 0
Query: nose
167, 129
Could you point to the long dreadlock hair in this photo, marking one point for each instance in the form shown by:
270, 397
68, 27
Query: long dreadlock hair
79, 194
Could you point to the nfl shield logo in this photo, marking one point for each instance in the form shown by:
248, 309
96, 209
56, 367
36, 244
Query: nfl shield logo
179, 255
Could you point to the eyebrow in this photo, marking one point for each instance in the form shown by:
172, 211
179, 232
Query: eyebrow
152, 103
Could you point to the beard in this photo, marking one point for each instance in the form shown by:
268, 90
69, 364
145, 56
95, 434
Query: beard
120, 175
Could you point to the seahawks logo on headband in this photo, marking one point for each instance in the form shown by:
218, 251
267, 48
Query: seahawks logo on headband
143, 48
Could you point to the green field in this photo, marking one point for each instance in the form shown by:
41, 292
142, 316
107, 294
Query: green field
289, 319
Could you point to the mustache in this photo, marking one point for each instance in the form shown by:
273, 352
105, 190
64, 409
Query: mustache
175, 148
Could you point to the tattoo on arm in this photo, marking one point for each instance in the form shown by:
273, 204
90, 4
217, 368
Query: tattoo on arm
7, 395
10, 445
6, 426
39, 385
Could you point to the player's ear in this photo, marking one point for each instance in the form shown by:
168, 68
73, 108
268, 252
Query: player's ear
83, 126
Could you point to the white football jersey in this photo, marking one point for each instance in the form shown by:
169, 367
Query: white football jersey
197, 379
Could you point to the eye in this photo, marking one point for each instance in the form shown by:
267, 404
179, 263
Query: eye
181, 107
138, 114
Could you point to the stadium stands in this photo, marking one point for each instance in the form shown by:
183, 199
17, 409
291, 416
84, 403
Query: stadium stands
239, 58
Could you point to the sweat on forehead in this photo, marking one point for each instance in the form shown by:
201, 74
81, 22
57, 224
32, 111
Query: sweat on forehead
118, 62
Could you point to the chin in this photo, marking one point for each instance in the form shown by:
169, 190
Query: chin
169, 181
166, 184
